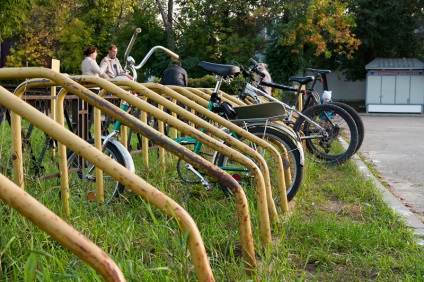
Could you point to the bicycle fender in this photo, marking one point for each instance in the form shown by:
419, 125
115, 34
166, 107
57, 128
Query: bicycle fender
125, 154
290, 133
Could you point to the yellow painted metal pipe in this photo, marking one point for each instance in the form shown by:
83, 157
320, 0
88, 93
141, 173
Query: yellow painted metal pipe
117, 171
97, 140
226, 138
16, 131
280, 126
180, 151
59, 230
188, 95
208, 141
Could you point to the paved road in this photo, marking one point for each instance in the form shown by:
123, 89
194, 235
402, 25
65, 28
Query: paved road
394, 144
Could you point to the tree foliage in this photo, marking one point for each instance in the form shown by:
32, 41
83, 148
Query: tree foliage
12, 14
387, 28
308, 34
291, 34
74, 25
223, 31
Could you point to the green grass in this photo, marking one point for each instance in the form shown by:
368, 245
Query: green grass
340, 230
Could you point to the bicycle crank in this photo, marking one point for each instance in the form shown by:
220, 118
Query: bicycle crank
204, 182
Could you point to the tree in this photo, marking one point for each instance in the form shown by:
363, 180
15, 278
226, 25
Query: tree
12, 14
168, 21
223, 31
309, 33
388, 28
73, 25
151, 35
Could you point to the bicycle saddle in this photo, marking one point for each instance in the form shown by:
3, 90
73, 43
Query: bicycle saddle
318, 71
222, 70
302, 80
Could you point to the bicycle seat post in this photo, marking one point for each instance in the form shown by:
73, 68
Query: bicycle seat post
215, 99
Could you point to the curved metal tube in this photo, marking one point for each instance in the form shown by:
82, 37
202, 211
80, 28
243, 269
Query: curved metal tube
167, 51
130, 180
59, 230
200, 105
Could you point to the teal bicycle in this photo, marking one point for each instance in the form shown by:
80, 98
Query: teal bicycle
257, 120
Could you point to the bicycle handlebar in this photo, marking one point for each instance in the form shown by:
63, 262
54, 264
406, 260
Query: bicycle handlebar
169, 52
130, 45
253, 62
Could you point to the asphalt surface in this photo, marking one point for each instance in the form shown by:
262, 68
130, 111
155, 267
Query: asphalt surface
394, 145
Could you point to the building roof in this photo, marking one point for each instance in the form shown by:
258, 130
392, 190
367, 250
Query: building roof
395, 64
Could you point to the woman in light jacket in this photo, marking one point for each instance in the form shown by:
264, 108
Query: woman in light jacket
89, 65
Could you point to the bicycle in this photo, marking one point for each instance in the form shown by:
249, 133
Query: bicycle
80, 169
259, 124
320, 126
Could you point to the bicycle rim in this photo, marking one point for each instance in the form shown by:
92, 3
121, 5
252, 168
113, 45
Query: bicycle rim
358, 121
290, 156
337, 143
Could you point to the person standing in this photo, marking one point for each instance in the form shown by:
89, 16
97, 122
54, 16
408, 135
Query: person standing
89, 65
175, 75
113, 66
267, 78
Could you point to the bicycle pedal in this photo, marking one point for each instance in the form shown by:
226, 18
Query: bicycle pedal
207, 187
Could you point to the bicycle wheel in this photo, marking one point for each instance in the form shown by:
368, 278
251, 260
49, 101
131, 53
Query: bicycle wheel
353, 113
358, 121
82, 175
289, 153
328, 145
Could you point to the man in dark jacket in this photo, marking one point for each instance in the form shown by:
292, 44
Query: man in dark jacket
174, 75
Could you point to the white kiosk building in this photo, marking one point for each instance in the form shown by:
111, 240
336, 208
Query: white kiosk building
395, 86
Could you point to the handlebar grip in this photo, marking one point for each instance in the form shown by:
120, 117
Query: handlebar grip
253, 61
170, 53
260, 73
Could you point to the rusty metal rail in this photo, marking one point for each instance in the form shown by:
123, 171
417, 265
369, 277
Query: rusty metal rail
128, 181
132, 181
59, 230
189, 130
198, 98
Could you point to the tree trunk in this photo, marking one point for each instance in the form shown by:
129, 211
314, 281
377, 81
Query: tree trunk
168, 20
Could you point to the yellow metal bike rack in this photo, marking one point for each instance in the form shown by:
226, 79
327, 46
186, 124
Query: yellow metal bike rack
59, 230
198, 100
128, 180
118, 172
183, 127
177, 92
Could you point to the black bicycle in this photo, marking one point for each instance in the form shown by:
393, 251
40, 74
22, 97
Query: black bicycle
329, 131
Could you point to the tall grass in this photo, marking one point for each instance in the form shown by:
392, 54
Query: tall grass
340, 230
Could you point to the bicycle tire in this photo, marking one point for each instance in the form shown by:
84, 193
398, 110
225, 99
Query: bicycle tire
358, 121
354, 114
337, 123
82, 174
291, 159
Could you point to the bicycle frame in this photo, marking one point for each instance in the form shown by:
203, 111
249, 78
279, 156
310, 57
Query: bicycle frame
252, 91
214, 102
130, 66
198, 145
